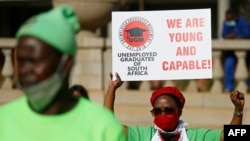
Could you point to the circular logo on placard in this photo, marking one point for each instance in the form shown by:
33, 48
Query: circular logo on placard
136, 33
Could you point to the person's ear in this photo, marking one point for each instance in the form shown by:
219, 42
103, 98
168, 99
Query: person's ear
152, 114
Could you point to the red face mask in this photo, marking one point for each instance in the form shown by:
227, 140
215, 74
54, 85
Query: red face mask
167, 122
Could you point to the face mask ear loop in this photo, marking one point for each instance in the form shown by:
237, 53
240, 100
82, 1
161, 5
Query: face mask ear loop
61, 65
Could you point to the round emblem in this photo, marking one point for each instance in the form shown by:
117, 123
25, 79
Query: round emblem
136, 33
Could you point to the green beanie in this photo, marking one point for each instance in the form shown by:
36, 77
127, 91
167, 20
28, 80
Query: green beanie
57, 27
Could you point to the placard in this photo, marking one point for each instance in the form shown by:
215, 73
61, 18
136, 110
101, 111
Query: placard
162, 45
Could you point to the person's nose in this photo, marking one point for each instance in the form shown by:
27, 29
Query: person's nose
163, 113
25, 68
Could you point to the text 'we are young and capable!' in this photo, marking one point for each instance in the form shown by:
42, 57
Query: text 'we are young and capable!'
171, 65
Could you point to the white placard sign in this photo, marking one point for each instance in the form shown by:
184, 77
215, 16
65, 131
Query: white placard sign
162, 45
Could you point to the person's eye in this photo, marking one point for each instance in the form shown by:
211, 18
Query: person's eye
169, 109
156, 111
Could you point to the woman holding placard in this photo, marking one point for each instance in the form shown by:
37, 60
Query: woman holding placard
167, 103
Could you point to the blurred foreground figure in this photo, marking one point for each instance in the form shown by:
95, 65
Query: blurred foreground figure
45, 53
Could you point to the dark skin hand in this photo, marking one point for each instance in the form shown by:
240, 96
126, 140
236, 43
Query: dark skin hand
232, 36
116, 83
238, 100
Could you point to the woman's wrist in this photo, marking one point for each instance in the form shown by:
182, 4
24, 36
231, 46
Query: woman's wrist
238, 113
